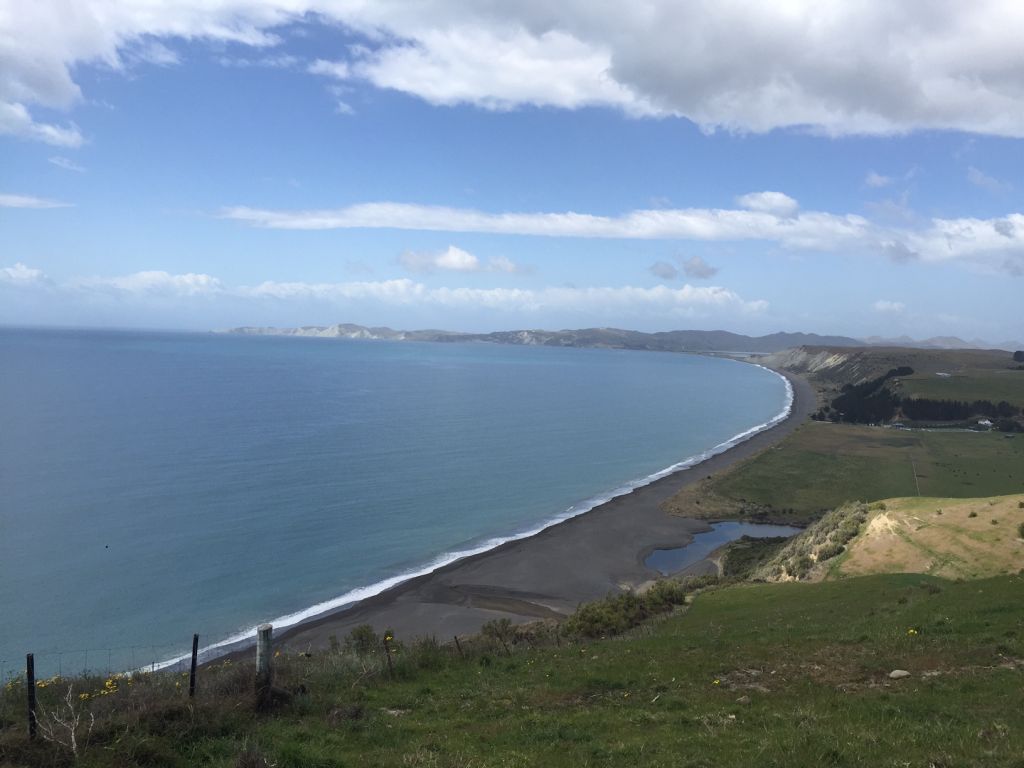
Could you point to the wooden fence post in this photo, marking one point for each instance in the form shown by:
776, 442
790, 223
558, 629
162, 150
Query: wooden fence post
264, 670
458, 645
387, 652
30, 683
192, 671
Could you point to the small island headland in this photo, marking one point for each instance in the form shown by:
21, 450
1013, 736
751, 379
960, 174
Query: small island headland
549, 574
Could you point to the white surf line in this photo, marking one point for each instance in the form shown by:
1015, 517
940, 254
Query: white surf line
361, 593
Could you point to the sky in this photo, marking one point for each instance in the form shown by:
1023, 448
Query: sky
850, 168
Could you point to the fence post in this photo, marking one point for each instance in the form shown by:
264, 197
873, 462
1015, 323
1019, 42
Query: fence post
192, 671
264, 671
30, 683
458, 645
387, 653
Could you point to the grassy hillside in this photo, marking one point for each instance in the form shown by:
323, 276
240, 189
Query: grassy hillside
953, 538
821, 466
768, 675
968, 384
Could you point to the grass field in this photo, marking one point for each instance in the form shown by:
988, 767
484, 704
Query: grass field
953, 538
821, 466
967, 384
766, 675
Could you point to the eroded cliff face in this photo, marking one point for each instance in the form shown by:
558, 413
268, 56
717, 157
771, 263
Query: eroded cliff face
808, 360
829, 366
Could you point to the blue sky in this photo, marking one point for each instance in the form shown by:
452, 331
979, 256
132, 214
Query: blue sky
830, 167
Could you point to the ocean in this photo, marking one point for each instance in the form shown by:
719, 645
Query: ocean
153, 485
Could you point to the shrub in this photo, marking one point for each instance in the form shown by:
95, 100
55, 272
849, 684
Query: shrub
618, 613
362, 640
830, 550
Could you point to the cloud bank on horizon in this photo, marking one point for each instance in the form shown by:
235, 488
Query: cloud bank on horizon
806, 142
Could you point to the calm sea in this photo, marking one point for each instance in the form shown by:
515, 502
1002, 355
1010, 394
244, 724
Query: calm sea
153, 485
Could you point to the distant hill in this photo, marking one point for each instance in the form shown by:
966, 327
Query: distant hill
609, 338
940, 342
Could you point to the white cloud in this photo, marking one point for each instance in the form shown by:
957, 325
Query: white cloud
807, 229
16, 121
27, 201
164, 287
696, 267
152, 283
877, 180
154, 52
687, 300
499, 68
871, 67
889, 307
984, 181
454, 259
21, 274
66, 163
769, 202
336, 69
991, 244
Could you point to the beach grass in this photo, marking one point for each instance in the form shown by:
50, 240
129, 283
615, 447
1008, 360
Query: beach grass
822, 466
768, 674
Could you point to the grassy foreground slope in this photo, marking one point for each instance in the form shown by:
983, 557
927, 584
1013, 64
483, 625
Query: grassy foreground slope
822, 466
770, 675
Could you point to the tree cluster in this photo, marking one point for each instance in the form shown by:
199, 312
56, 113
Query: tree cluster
872, 402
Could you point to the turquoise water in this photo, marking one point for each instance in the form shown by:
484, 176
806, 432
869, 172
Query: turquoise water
155, 485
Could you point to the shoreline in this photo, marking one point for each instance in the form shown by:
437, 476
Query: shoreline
546, 574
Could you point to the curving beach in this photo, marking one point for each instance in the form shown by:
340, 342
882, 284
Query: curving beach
549, 574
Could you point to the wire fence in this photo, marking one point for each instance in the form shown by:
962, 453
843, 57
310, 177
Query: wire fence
50, 662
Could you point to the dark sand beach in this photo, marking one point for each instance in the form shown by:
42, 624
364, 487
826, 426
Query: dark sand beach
549, 574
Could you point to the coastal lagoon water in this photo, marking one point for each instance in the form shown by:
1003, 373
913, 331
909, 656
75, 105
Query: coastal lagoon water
669, 561
153, 485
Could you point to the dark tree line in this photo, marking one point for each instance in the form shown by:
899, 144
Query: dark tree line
920, 409
868, 402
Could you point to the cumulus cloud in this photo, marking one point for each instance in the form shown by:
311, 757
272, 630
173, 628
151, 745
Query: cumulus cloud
872, 67
28, 201
20, 274
696, 267
777, 203
152, 283
454, 259
889, 307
